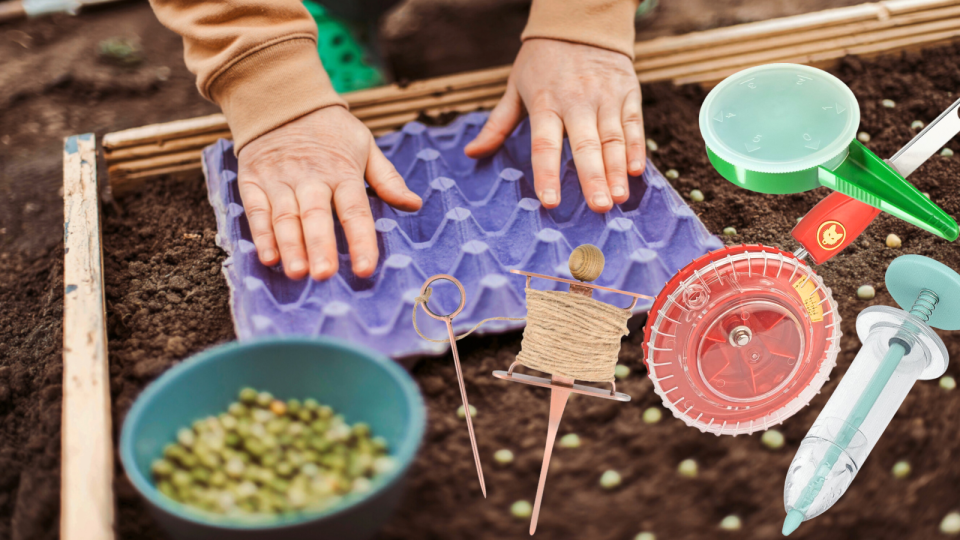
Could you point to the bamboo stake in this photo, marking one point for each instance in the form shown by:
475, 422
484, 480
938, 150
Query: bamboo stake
87, 445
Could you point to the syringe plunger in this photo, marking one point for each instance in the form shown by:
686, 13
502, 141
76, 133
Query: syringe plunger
898, 348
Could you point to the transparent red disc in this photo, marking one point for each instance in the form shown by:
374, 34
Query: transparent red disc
741, 339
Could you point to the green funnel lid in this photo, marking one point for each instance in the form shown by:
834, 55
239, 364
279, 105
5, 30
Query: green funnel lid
779, 119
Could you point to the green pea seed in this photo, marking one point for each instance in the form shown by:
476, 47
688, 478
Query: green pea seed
889, 103
570, 440
238, 410
863, 137
772, 439
947, 382
946, 152
729, 231
672, 174
688, 468
645, 535
951, 523
462, 415
866, 292
521, 509
621, 372
916, 124
652, 415
731, 523
264, 399
311, 404
293, 406
696, 196
503, 456
610, 479
652, 145
248, 396
181, 478
162, 467
901, 469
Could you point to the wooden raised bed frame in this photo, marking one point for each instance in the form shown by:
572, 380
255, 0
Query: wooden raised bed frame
133, 156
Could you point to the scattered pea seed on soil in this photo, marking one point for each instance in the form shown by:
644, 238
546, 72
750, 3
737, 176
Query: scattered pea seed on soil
772, 439
889, 103
696, 195
462, 415
731, 523
729, 231
645, 536
951, 523
916, 124
947, 382
672, 174
946, 152
863, 137
266, 457
893, 241
652, 145
610, 479
570, 440
521, 509
866, 292
901, 469
621, 372
688, 468
652, 415
503, 456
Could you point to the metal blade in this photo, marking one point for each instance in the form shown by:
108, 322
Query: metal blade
558, 400
466, 406
927, 142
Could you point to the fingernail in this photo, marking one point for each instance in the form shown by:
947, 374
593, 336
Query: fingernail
601, 199
635, 165
321, 267
618, 191
297, 266
361, 264
269, 255
548, 196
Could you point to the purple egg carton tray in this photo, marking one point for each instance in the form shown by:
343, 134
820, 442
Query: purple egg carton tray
479, 220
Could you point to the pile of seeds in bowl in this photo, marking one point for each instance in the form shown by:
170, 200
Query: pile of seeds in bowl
267, 456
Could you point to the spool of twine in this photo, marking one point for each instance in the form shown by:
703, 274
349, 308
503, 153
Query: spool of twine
572, 335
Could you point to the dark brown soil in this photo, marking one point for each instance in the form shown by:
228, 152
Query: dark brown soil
52, 85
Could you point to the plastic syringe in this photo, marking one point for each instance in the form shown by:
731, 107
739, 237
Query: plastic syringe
898, 348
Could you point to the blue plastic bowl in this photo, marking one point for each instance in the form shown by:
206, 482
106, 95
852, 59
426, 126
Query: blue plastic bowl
360, 384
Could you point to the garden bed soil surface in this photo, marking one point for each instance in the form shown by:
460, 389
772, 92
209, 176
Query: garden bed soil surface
167, 299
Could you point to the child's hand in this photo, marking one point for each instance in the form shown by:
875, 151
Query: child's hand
288, 179
591, 92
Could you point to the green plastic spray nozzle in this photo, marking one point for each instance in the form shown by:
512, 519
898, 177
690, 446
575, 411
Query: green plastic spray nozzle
789, 128
899, 347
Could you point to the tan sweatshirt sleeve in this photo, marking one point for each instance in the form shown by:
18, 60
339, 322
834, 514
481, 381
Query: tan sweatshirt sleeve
256, 59
607, 24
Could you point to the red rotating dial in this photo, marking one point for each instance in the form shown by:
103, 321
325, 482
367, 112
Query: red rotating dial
741, 338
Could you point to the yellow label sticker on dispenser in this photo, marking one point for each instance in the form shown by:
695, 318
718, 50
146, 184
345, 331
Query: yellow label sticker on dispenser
810, 297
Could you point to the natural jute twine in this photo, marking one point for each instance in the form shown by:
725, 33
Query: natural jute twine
572, 335
566, 334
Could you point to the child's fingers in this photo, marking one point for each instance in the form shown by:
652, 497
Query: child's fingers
257, 207
632, 119
316, 215
503, 119
387, 182
546, 147
612, 138
353, 210
289, 230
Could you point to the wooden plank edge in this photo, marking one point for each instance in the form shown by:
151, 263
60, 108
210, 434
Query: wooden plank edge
11, 11
86, 496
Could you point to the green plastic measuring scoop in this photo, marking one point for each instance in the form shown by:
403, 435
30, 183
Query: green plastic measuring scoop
789, 128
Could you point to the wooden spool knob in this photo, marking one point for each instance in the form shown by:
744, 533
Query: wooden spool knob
586, 262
